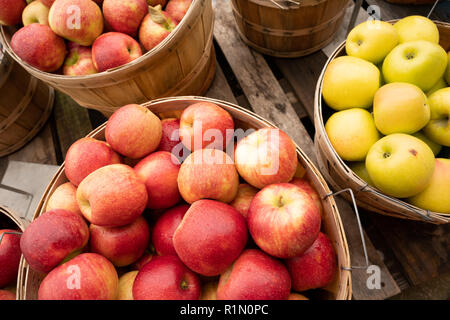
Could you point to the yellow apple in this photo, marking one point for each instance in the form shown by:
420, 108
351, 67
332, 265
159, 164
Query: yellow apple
126, 281
414, 28
438, 129
447, 72
440, 84
359, 167
371, 40
352, 132
435, 147
436, 196
400, 107
400, 165
350, 82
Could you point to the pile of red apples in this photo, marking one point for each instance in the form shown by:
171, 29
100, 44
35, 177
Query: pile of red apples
161, 211
84, 37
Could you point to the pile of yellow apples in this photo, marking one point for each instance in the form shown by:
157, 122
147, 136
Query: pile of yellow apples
391, 100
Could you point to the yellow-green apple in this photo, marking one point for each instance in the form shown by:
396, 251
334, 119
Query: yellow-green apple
306, 186
79, 61
178, 8
359, 167
126, 282
436, 197
35, 12
112, 196
371, 40
114, 49
7, 295
125, 16
210, 237
440, 84
64, 197
206, 125
351, 133
266, 156
350, 72
209, 291
47, 3
88, 276
155, 27
438, 129
208, 174
39, 46
166, 278
435, 147
54, 236
255, 276
11, 11
159, 172
400, 165
120, 245
143, 260
9, 256
418, 62
414, 28
297, 296
133, 131
165, 226
244, 197
400, 107
447, 72
79, 21
283, 220
316, 268
87, 155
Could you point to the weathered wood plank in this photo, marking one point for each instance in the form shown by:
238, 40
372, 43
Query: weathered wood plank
220, 89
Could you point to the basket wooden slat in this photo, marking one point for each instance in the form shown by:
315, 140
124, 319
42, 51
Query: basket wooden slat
331, 223
415, 2
183, 63
340, 176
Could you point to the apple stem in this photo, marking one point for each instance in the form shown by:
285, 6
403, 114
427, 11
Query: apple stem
158, 17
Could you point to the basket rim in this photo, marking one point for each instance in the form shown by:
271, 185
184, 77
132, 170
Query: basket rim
434, 217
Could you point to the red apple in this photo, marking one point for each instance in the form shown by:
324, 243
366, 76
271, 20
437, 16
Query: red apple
11, 11
47, 3
52, 237
142, 261
134, 131
114, 49
79, 62
159, 172
162, 236
306, 186
64, 197
112, 196
255, 276
9, 257
126, 282
121, 245
80, 21
265, 157
87, 155
206, 125
39, 46
315, 268
178, 8
88, 276
283, 220
244, 197
166, 278
35, 12
210, 237
208, 174
155, 27
7, 295
170, 139
125, 16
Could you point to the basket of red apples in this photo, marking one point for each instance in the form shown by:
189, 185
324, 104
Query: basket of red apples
382, 108
216, 204
94, 50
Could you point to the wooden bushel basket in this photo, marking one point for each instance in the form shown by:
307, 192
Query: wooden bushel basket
416, 2
331, 222
285, 29
340, 176
182, 64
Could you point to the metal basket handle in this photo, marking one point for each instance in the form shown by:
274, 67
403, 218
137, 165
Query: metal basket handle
297, 4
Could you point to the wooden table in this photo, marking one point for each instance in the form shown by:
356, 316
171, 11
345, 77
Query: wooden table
413, 256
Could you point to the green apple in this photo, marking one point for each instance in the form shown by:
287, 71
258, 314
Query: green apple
447, 72
371, 40
414, 28
350, 82
359, 167
400, 165
435, 147
438, 85
438, 129
352, 132
400, 107
436, 196
418, 62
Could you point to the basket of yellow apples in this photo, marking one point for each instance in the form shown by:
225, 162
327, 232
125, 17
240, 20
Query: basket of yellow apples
382, 107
